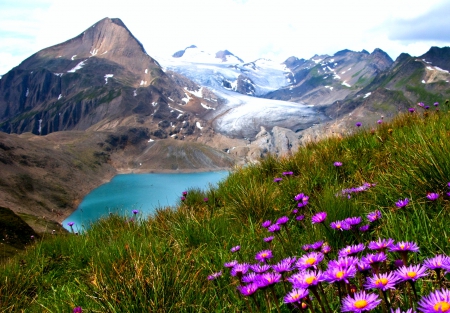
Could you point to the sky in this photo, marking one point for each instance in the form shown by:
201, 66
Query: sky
250, 29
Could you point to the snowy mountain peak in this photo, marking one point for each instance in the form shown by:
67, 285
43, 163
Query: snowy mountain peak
194, 54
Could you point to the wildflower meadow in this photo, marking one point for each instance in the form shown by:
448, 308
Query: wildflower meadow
352, 224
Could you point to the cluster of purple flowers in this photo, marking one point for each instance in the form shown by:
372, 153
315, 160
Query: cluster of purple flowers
302, 200
306, 272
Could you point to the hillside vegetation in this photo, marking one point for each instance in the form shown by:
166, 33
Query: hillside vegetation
392, 177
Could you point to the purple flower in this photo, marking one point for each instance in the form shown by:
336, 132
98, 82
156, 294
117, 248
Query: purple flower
398, 263
363, 266
404, 246
432, 196
296, 295
374, 258
337, 164
274, 228
381, 244
285, 265
248, 290
412, 272
411, 110
77, 309
382, 281
319, 217
340, 225
437, 301
344, 262
260, 268
266, 224
214, 276
306, 247
184, 193
306, 279
268, 279
353, 221
334, 274
264, 255
183, 198
300, 218
294, 211
325, 249
421, 104
364, 228
436, 104
380, 121
351, 250
231, 263
70, 224
358, 124
317, 245
402, 203
277, 179
250, 277
426, 107
439, 261
282, 220
135, 212
269, 239
309, 260
288, 173
360, 302
373, 216
205, 199
239, 269
235, 249
302, 199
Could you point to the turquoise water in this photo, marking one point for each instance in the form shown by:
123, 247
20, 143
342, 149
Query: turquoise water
142, 192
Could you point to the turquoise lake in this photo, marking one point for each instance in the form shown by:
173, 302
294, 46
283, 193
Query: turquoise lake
142, 192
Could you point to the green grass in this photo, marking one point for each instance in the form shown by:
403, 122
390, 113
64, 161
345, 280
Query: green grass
161, 263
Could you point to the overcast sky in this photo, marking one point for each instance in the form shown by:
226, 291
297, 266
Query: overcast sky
250, 29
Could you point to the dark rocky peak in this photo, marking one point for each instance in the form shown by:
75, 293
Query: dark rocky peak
180, 53
342, 52
365, 51
109, 40
402, 58
380, 59
224, 54
293, 62
439, 57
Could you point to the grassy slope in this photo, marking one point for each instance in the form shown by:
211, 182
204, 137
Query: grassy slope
161, 264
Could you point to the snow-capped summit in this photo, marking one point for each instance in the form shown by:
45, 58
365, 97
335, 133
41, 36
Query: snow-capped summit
195, 54
226, 71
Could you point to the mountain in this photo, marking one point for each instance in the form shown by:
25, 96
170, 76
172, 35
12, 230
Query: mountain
408, 81
223, 71
324, 79
101, 78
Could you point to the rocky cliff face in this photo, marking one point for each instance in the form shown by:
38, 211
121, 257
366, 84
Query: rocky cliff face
325, 79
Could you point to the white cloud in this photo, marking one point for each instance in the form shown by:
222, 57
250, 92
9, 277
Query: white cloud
248, 28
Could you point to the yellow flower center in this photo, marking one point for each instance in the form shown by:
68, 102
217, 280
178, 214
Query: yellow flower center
338, 226
310, 280
339, 274
411, 274
382, 281
402, 246
360, 304
296, 296
264, 255
441, 306
310, 261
